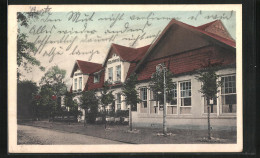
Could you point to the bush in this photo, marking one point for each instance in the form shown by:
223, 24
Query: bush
111, 113
122, 113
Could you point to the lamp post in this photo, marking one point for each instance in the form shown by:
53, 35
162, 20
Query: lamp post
164, 99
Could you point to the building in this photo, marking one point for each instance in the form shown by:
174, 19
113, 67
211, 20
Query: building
182, 49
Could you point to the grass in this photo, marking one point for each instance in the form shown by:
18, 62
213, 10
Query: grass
140, 135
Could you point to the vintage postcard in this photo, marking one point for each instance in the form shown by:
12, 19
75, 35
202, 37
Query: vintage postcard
124, 78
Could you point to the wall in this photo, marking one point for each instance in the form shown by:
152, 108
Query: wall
124, 68
84, 80
197, 116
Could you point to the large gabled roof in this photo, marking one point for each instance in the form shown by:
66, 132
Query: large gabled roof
86, 67
200, 30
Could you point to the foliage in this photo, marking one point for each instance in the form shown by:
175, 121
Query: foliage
106, 95
106, 98
24, 48
89, 102
54, 77
122, 113
130, 92
208, 78
52, 87
71, 104
209, 86
48, 102
157, 85
111, 113
26, 90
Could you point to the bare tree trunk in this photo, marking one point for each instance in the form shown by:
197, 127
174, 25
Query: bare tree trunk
105, 117
130, 118
85, 119
209, 137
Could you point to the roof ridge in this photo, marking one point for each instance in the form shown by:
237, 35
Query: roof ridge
207, 24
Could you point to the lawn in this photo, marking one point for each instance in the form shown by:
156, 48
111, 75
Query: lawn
140, 135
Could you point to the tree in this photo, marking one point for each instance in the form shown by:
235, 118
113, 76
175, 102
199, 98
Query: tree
106, 98
131, 95
157, 85
47, 103
209, 88
26, 90
54, 77
52, 87
72, 104
161, 84
89, 102
24, 48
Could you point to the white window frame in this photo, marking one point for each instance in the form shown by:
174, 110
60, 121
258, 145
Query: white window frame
118, 104
80, 83
141, 96
117, 71
180, 90
179, 100
152, 99
169, 105
110, 73
75, 83
176, 97
225, 94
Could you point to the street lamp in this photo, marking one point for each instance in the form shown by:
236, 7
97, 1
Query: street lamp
164, 98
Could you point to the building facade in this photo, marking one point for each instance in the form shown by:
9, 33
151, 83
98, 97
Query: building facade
183, 49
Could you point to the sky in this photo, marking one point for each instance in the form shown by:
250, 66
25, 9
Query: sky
64, 37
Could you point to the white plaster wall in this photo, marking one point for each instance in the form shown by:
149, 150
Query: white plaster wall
197, 108
124, 68
84, 80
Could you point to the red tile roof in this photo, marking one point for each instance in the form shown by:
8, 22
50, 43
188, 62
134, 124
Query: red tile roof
178, 63
90, 85
193, 28
204, 26
131, 69
201, 29
130, 54
86, 67
187, 62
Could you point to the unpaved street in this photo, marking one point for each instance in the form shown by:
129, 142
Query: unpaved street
35, 135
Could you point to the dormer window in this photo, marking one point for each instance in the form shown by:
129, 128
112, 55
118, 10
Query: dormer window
96, 78
110, 74
118, 73
75, 83
80, 83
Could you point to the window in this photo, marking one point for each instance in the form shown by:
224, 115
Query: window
153, 102
118, 73
213, 107
110, 74
96, 78
173, 100
172, 103
144, 97
185, 89
80, 83
118, 96
75, 84
228, 94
